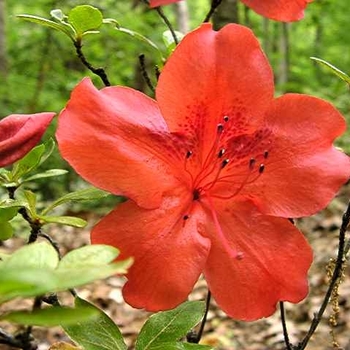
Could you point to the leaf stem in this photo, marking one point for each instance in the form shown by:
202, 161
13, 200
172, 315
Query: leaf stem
98, 71
167, 23
284, 326
214, 5
144, 72
336, 274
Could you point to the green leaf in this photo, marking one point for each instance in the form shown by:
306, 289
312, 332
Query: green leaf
85, 18
57, 14
28, 163
169, 40
343, 76
12, 203
31, 202
77, 196
64, 220
23, 281
36, 255
98, 334
96, 254
170, 326
47, 173
7, 214
78, 276
50, 146
141, 38
52, 316
6, 231
180, 346
48, 23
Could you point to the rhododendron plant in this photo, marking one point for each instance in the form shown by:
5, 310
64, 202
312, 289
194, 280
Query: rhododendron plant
19, 133
213, 168
279, 10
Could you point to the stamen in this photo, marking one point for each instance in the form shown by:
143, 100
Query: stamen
221, 152
220, 128
251, 163
224, 163
189, 154
261, 168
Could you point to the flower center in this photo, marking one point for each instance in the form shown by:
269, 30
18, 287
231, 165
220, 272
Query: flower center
232, 162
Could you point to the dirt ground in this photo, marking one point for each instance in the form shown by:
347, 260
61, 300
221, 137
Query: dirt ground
222, 332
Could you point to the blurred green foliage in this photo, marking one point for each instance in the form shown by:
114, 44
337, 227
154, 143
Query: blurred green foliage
42, 67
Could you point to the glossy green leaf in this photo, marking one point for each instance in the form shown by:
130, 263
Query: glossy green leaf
12, 203
98, 334
77, 196
64, 220
6, 214
50, 146
30, 198
170, 326
36, 255
96, 254
343, 76
6, 231
169, 41
52, 316
57, 14
141, 38
23, 281
48, 23
28, 163
45, 174
85, 18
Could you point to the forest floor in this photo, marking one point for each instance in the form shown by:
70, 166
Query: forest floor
221, 332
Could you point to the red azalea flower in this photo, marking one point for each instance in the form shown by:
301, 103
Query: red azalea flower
279, 10
19, 133
212, 170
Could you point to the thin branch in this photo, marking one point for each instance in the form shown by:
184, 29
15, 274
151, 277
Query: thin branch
201, 328
336, 274
214, 5
144, 72
289, 346
167, 23
98, 71
193, 337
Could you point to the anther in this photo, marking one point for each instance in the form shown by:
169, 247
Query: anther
226, 118
224, 163
261, 168
186, 217
220, 128
251, 163
189, 154
266, 154
221, 152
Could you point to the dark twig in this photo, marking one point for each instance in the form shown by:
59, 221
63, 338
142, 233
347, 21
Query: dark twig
201, 328
284, 326
20, 341
336, 274
167, 23
214, 5
144, 72
193, 337
98, 71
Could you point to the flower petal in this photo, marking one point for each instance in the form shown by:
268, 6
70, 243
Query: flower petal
271, 266
279, 10
155, 3
211, 75
19, 133
303, 171
116, 139
169, 252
